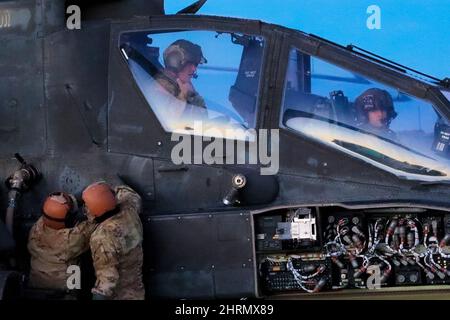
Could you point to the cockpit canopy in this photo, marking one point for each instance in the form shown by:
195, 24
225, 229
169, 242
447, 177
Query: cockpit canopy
366, 119
224, 89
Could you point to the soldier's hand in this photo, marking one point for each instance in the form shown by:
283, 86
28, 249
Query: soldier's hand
186, 88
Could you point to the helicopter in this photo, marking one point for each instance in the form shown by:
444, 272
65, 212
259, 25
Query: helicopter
82, 105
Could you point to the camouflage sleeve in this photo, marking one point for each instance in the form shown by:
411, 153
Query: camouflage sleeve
105, 256
78, 238
196, 108
128, 199
196, 100
168, 86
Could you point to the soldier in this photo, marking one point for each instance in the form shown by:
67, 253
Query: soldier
116, 244
53, 245
181, 60
375, 111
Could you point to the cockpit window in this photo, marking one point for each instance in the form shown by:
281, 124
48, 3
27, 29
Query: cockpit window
197, 79
374, 122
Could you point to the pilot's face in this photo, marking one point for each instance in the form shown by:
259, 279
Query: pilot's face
378, 118
188, 71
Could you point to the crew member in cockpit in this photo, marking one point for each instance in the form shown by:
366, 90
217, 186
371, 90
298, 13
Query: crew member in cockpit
181, 60
375, 111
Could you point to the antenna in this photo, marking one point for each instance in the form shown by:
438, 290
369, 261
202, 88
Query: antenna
193, 8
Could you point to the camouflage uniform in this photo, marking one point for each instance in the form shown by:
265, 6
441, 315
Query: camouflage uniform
116, 247
53, 251
195, 103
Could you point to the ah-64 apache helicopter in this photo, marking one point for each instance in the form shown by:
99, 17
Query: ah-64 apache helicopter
343, 198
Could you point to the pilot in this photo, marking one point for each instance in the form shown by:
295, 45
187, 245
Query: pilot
53, 245
375, 111
181, 60
116, 244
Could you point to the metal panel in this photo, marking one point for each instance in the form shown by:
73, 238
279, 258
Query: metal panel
76, 65
192, 185
137, 172
187, 284
212, 250
235, 283
21, 112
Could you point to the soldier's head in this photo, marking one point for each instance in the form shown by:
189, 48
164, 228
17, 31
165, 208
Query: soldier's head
57, 208
98, 199
182, 57
376, 108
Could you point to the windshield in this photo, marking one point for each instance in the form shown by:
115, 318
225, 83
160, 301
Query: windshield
366, 119
197, 79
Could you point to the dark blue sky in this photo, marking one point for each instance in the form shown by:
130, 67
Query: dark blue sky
413, 32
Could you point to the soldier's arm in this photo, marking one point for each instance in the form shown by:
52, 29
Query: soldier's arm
197, 100
105, 256
78, 238
128, 198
